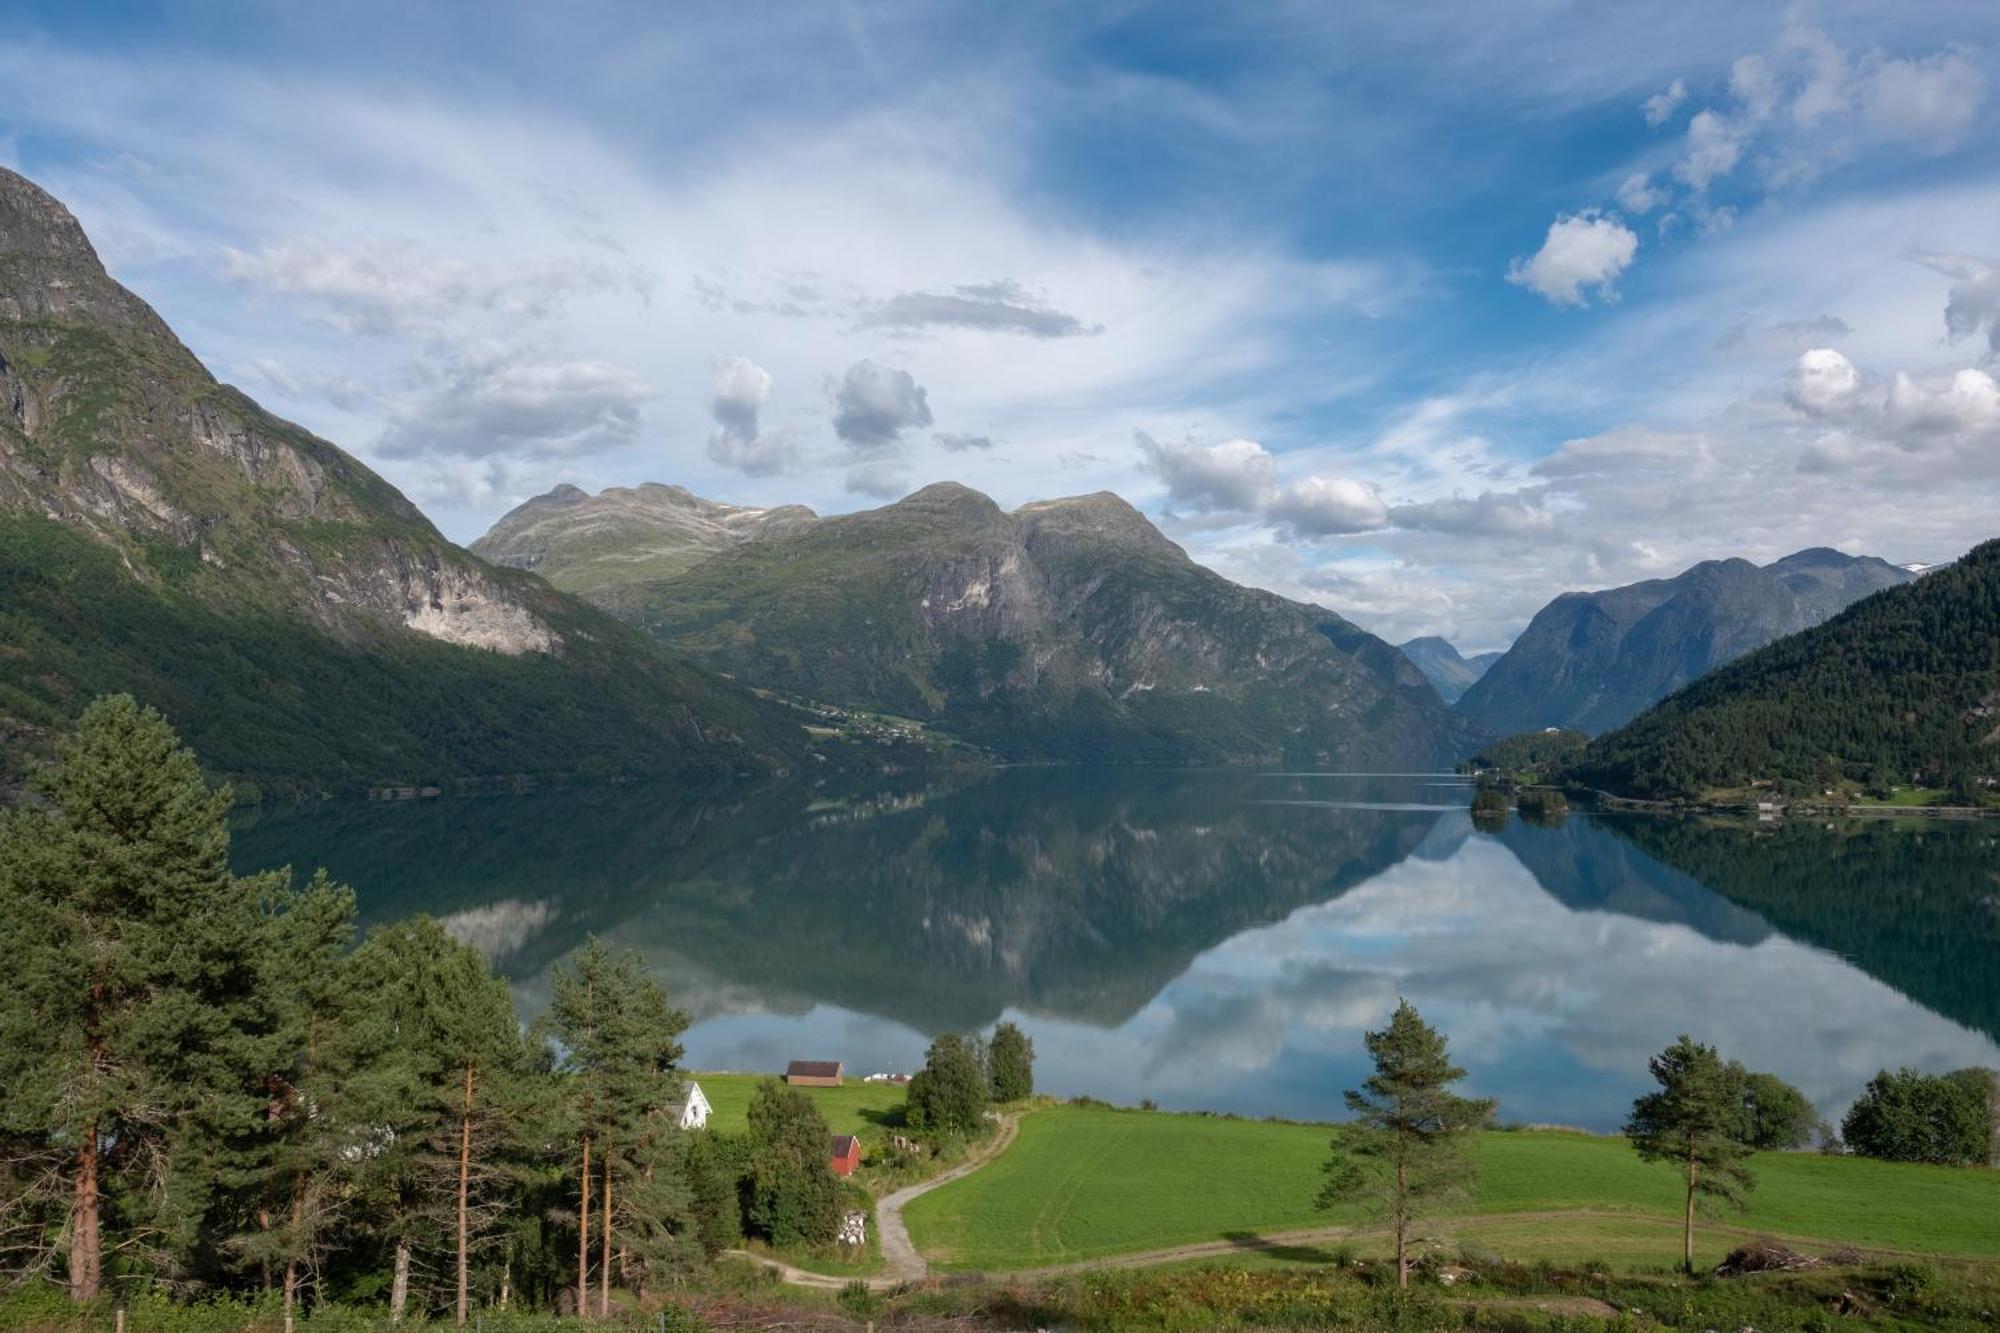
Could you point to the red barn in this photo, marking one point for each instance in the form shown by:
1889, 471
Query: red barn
846, 1154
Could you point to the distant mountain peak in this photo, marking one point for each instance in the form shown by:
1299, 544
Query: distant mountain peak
50, 270
1449, 671
1593, 660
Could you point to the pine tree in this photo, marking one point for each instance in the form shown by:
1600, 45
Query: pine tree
1696, 1122
450, 1091
134, 1022
1405, 1148
620, 1041
1010, 1060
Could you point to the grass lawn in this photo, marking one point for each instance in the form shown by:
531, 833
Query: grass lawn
1085, 1183
857, 1108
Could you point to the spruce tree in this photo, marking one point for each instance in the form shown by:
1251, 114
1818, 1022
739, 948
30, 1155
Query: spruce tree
1010, 1060
1696, 1122
1405, 1149
135, 1026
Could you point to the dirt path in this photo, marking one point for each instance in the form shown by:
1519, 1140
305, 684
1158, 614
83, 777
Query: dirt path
900, 1261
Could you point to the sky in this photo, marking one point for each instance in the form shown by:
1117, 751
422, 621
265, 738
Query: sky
1423, 313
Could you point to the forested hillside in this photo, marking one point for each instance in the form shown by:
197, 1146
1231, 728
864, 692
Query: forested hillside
1902, 687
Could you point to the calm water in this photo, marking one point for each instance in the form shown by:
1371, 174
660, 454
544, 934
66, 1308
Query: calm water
1216, 940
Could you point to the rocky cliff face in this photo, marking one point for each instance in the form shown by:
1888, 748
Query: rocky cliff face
113, 427
1595, 660
1067, 629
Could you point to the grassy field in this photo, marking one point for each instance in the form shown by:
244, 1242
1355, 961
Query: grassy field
858, 1108
1087, 1183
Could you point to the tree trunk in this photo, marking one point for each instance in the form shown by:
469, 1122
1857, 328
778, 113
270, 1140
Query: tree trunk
86, 1252
1687, 1229
604, 1264
399, 1283
583, 1240
506, 1282
292, 1244
1402, 1224
464, 1187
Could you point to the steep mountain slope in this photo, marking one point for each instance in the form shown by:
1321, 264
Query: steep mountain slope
1594, 660
1905, 683
1068, 629
581, 542
298, 618
1448, 672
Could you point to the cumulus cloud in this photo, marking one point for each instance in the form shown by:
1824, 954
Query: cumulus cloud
738, 440
874, 404
1964, 406
382, 287
1328, 506
1974, 304
1660, 107
1582, 250
502, 405
993, 307
1234, 476
1823, 382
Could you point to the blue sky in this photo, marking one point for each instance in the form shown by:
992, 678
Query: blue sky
1423, 312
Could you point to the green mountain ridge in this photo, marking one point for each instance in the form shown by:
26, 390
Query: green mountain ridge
300, 621
1069, 629
1594, 660
1903, 685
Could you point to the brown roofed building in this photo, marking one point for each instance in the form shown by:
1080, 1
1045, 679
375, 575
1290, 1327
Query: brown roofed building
814, 1073
845, 1151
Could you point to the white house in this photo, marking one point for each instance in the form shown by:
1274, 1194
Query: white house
691, 1112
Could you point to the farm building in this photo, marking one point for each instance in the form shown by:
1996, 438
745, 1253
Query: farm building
846, 1154
691, 1111
814, 1073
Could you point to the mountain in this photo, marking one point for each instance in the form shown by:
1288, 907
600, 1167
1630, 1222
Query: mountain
300, 620
1904, 684
581, 542
1595, 660
1449, 673
1068, 629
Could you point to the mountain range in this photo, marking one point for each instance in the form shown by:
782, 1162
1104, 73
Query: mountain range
1594, 660
1066, 629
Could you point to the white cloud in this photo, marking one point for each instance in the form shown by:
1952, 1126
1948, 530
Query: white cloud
879, 480
738, 441
1962, 407
1638, 196
1929, 102
1823, 382
499, 405
1493, 514
1714, 146
1234, 476
1328, 506
1974, 304
1582, 250
1660, 107
386, 287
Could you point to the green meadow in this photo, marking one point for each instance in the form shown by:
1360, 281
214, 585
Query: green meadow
1085, 1183
856, 1108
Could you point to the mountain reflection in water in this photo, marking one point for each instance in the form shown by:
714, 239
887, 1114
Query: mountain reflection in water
1209, 939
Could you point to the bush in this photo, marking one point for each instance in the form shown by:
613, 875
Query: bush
857, 1298
1910, 1116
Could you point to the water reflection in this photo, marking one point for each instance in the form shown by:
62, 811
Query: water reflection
1212, 939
